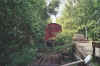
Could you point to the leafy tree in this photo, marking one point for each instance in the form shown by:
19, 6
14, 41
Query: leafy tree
83, 15
52, 7
22, 24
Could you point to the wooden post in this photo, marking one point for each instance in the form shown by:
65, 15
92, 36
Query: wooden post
95, 44
93, 50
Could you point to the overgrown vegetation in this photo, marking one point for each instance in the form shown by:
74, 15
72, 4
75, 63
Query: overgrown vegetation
22, 24
81, 17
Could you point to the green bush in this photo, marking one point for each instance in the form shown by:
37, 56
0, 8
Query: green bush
22, 24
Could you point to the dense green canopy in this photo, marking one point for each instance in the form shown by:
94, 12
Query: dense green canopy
22, 24
81, 17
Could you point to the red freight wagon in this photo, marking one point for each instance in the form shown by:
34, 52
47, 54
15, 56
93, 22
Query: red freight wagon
51, 30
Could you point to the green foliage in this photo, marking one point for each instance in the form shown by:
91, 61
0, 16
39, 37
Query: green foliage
26, 54
51, 8
75, 19
22, 24
84, 14
65, 40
